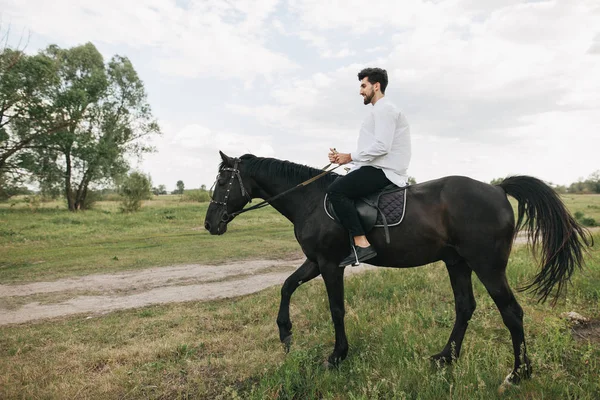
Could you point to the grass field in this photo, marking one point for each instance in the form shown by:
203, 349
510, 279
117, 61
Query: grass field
395, 319
53, 243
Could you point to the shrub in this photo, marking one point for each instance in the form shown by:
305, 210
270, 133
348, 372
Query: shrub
196, 195
135, 188
587, 221
583, 220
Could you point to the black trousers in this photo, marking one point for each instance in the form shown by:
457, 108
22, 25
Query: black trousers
345, 189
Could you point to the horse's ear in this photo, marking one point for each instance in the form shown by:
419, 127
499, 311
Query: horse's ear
226, 160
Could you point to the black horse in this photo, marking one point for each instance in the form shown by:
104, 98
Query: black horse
468, 224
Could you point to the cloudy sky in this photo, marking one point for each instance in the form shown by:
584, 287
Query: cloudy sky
490, 87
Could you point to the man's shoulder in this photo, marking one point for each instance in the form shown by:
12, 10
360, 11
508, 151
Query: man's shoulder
387, 106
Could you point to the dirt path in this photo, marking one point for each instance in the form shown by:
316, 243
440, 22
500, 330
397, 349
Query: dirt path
96, 294
99, 294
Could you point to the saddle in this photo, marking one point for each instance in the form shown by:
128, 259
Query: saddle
380, 209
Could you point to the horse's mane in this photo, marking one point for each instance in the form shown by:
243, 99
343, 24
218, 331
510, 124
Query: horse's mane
293, 173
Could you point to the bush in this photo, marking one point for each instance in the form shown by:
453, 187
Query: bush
196, 195
583, 220
135, 188
587, 221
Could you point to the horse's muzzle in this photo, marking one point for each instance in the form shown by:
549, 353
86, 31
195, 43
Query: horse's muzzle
218, 229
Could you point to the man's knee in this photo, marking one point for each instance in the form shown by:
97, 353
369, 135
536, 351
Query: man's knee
337, 197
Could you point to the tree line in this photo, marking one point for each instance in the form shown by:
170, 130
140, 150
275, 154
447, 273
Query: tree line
70, 120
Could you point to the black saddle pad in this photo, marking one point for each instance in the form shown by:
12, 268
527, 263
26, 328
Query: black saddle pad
392, 204
388, 203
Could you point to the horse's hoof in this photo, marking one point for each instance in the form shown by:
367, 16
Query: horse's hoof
440, 360
287, 343
327, 365
513, 379
508, 383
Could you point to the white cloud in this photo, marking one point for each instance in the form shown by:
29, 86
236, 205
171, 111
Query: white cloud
209, 38
192, 153
490, 87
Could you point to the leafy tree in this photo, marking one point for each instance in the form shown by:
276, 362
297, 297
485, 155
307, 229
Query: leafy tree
412, 180
135, 188
577, 187
27, 114
496, 181
180, 187
109, 118
161, 189
593, 182
560, 189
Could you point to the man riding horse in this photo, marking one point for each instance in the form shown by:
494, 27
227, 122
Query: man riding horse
382, 157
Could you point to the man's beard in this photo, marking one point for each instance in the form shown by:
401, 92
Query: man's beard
368, 98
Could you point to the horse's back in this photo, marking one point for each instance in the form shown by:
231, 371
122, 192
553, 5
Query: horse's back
472, 211
459, 206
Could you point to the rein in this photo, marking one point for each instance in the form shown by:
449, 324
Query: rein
264, 203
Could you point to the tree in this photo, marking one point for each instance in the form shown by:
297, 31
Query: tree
496, 181
577, 187
180, 187
135, 188
27, 115
412, 180
593, 182
109, 118
161, 189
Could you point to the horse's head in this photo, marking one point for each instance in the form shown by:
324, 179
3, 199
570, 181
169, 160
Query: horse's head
230, 195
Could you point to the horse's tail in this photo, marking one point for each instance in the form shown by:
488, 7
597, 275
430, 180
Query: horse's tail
564, 242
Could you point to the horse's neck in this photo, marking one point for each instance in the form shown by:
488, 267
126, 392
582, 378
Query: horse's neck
292, 205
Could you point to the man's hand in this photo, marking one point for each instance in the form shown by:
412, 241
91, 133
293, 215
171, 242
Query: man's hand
339, 158
332, 155
343, 158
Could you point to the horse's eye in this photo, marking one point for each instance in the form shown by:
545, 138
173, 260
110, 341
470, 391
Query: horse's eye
222, 181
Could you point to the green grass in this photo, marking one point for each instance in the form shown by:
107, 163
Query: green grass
395, 319
53, 243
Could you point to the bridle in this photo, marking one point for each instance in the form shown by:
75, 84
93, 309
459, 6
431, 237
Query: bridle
236, 172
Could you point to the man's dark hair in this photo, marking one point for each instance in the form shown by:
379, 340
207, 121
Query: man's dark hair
375, 75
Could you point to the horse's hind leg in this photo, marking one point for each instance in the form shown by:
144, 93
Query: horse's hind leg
307, 271
494, 280
460, 278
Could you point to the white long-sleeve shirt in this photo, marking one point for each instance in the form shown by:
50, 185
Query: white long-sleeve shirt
384, 142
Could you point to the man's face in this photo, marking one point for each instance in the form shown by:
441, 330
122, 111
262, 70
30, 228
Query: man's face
366, 90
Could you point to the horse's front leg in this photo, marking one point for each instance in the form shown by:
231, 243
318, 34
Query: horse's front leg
307, 271
334, 282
